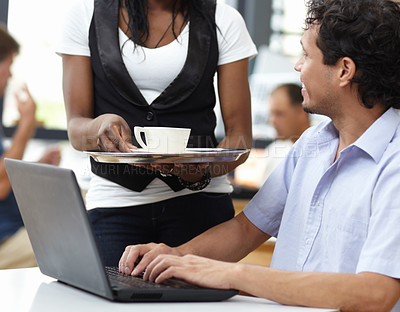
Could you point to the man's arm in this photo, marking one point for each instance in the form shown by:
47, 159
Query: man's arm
229, 241
107, 132
23, 133
348, 292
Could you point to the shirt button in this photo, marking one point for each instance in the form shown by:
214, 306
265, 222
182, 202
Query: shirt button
150, 116
308, 241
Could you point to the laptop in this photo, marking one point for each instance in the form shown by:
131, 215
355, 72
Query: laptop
60, 232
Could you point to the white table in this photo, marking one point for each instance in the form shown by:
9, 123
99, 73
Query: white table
23, 290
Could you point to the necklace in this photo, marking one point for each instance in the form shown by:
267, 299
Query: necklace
162, 37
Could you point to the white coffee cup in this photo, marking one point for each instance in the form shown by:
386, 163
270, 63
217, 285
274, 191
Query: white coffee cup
162, 139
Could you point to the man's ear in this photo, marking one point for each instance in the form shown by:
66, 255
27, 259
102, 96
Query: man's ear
347, 70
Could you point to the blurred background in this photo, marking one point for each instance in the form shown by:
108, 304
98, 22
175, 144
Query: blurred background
275, 26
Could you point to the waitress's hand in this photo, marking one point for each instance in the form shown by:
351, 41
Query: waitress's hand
187, 172
114, 134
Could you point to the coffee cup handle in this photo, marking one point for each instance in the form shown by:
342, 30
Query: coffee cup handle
137, 131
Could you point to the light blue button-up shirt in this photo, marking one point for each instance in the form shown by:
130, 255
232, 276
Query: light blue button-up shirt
336, 216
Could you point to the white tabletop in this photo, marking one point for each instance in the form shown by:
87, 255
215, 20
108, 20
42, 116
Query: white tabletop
24, 290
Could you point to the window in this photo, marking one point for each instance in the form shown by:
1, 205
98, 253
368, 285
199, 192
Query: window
35, 25
287, 21
276, 29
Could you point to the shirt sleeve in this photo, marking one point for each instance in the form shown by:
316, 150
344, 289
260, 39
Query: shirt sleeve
74, 37
234, 41
266, 208
381, 252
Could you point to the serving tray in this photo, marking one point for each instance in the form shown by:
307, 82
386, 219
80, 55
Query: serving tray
191, 155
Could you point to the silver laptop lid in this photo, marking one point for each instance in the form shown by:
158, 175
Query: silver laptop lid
56, 220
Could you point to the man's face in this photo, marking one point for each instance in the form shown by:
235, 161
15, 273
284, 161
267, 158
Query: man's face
284, 116
317, 78
5, 73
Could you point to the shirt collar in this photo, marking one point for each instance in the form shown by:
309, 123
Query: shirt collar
377, 137
373, 141
326, 133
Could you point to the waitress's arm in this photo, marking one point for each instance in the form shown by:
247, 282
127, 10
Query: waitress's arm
108, 132
234, 95
235, 102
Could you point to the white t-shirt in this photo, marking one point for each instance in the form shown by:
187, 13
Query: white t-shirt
154, 70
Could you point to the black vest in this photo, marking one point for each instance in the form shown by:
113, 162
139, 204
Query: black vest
188, 102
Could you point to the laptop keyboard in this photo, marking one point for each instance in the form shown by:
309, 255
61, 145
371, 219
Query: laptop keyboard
117, 278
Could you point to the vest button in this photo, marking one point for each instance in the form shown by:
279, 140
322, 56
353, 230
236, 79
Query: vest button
150, 116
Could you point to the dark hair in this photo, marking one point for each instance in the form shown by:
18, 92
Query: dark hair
368, 32
8, 45
293, 91
138, 23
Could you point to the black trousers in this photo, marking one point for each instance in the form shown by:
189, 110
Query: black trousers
173, 222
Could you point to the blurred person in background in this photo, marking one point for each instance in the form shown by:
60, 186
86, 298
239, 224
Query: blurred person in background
15, 248
287, 116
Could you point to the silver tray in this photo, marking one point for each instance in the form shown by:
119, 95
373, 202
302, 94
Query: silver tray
191, 155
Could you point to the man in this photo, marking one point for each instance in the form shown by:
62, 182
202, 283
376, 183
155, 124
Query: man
335, 199
287, 116
15, 248
286, 113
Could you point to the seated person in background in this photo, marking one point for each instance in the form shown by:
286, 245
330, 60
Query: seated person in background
333, 203
15, 248
287, 116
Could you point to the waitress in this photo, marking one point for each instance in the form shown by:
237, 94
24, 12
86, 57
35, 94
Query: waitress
133, 63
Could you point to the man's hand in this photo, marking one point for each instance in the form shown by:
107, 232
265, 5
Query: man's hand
194, 269
136, 258
26, 107
52, 156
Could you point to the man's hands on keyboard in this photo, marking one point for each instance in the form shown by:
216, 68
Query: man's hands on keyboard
118, 278
160, 262
136, 258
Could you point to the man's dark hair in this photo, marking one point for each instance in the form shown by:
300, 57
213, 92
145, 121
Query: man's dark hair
8, 45
368, 32
293, 91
